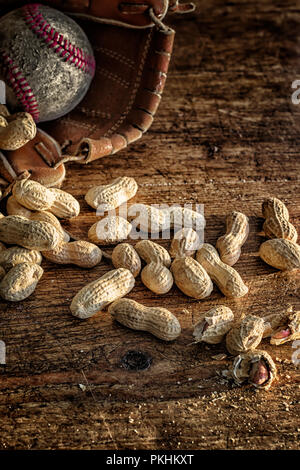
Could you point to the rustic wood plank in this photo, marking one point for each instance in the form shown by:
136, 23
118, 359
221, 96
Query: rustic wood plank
226, 135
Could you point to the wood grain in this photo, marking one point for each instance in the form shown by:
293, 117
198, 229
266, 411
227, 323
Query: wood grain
226, 135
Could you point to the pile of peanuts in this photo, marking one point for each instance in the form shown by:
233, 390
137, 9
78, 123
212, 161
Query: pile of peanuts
32, 226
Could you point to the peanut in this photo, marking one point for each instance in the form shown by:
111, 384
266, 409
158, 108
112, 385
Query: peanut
151, 219
237, 230
17, 255
2, 247
112, 195
178, 216
80, 253
35, 196
156, 275
281, 254
32, 195
100, 293
109, 230
45, 216
2, 273
188, 274
227, 278
20, 282
153, 252
31, 234
65, 206
259, 373
157, 278
3, 121
157, 321
191, 278
245, 335
147, 218
277, 223
4, 110
125, 256
185, 243
16, 131
14, 208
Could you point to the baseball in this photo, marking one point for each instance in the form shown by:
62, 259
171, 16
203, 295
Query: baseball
46, 61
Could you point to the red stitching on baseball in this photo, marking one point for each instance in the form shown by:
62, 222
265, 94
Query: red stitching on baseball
76, 56
20, 86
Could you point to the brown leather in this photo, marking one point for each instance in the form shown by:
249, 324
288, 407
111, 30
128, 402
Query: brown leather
39, 157
132, 65
131, 74
129, 12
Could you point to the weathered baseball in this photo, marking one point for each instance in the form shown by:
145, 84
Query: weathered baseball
46, 61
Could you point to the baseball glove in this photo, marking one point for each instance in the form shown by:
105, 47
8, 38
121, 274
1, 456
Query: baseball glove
132, 47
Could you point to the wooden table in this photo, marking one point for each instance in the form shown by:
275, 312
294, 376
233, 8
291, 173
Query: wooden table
226, 135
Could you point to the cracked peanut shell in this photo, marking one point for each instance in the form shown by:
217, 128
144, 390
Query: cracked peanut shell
213, 325
255, 367
289, 330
